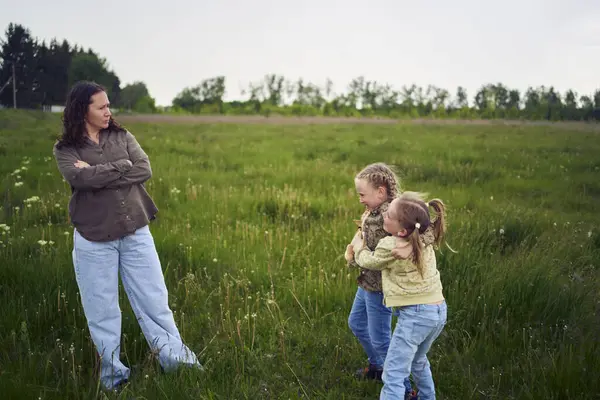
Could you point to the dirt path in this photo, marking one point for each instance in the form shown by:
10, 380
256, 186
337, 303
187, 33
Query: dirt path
279, 120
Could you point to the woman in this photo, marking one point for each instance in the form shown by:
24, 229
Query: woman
111, 210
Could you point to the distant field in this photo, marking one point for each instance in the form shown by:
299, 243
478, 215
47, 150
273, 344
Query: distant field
254, 217
286, 120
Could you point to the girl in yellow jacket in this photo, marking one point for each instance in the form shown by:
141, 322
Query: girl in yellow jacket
411, 282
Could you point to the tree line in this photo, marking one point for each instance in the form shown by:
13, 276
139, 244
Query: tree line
44, 72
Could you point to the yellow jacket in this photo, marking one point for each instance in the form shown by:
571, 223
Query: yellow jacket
402, 283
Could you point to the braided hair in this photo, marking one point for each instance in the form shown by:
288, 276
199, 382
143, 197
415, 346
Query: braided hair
380, 174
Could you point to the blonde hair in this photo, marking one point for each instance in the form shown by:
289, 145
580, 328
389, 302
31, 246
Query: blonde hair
380, 174
413, 214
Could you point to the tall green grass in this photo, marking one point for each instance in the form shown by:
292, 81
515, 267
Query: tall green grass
251, 230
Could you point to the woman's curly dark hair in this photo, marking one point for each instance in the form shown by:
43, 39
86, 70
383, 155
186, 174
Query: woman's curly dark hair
76, 108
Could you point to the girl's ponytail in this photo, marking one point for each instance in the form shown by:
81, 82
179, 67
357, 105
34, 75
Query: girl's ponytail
439, 225
417, 248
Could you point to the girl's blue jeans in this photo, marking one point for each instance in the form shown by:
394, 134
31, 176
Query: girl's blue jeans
417, 328
371, 322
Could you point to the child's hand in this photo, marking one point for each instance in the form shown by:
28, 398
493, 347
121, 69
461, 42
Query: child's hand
357, 241
349, 255
402, 251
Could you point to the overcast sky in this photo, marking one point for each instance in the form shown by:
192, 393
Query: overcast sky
174, 44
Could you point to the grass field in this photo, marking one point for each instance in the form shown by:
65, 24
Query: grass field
251, 230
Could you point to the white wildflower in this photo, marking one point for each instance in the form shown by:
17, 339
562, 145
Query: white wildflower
501, 231
17, 184
42, 242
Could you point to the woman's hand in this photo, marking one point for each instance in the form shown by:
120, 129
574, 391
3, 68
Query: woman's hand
81, 164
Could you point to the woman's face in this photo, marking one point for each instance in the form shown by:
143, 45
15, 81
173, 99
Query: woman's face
98, 114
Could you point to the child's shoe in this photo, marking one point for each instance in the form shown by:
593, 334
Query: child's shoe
371, 372
411, 395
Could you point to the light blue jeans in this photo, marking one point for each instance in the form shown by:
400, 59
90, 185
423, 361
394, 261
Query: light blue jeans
371, 322
417, 328
97, 269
